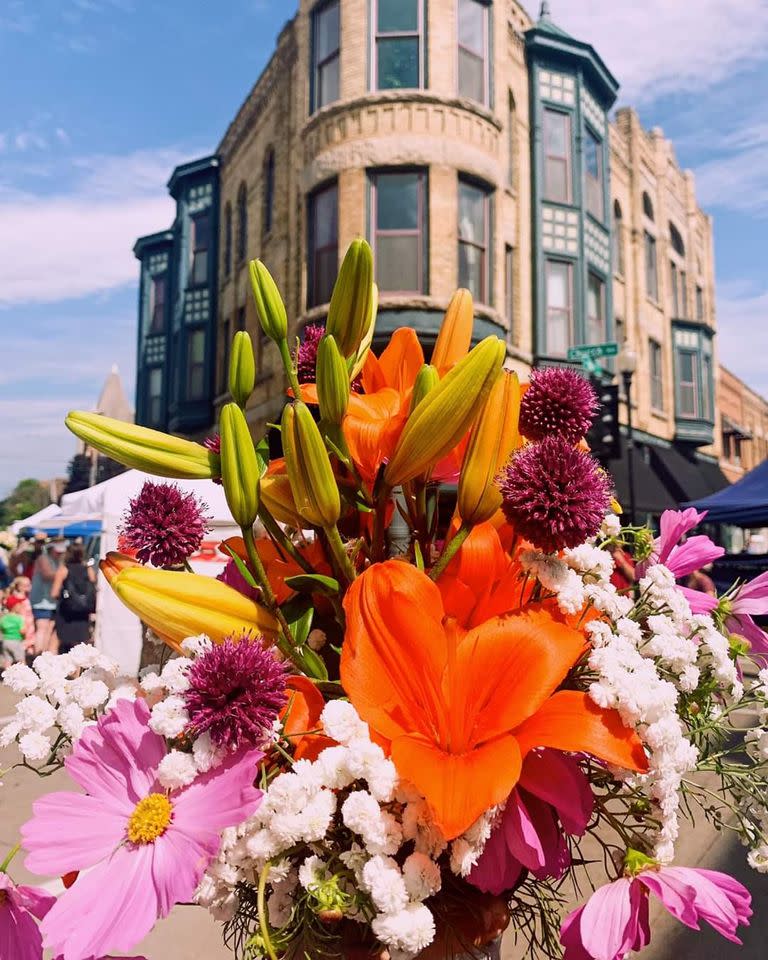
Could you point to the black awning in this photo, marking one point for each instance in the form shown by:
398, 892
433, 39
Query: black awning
651, 495
713, 476
682, 475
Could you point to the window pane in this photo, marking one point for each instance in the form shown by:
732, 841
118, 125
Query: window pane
472, 25
472, 213
325, 218
558, 286
471, 270
673, 287
686, 368
557, 152
595, 321
558, 332
684, 293
556, 133
592, 155
328, 83
398, 63
398, 16
699, 304
155, 382
471, 76
326, 267
397, 263
202, 231
651, 282
197, 347
397, 201
556, 180
326, 32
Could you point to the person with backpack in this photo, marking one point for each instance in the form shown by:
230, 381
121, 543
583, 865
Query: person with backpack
74, 589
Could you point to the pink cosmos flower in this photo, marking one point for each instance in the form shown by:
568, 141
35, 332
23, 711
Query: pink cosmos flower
614, 921
148, 848
751, 598
682, 558
528, 836
19, 934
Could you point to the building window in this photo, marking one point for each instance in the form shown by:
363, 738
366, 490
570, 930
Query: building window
157, 294
473, 50
323, 244
398, 229
674, 288
593, 165
647, 206
687, 361
474, 240
651, 274
557, 156
511, 139
595, 309
657, 381
155, 397
559, 306
196, 365
509, 287
200, 243
699, 304
269, 190
617, 236
325, 54
226, 344
242, 223
676, 240
706, 387
398, 44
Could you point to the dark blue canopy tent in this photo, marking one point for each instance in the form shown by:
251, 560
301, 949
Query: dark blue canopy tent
743, 504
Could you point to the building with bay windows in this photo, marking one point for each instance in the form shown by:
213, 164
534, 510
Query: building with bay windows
472, 146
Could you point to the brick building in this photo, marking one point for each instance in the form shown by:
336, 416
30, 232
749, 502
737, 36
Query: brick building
744, 426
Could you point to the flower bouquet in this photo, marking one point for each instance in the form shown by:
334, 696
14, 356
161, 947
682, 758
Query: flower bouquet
388, 727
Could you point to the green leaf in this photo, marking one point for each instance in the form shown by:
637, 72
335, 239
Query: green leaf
299, 617
313, 583
315, 663
262, 455
418, 555
245, 572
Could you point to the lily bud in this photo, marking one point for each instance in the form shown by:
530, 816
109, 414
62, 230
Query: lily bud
455, 335
494, 437
349, 313
242, 368
178, 605
143, 449
276, 494
313, 484
357, 360
240, 467
426, 380
269, 304
446, 413
332, 381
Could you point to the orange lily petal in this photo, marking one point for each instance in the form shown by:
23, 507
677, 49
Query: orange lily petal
455, 337
569, 720
308, 392
459, 787
371, 428
401, 359
302, 715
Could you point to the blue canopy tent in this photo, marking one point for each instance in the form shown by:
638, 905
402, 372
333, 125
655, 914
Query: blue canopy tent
71, 528
743, 504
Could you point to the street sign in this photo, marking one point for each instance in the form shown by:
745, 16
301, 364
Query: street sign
592, 351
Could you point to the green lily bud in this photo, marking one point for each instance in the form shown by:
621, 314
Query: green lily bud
143, 449
332, 381
349, 313
446, 413
242, 368
315, 493
240, 467
357, 361
426, 380
269, 303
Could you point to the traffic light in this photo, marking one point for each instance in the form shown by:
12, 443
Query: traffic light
603, 436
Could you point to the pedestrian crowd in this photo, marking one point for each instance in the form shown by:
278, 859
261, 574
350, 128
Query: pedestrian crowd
47, 599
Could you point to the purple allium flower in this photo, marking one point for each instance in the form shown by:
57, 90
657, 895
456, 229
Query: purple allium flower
236, 691
559, 403
555, 495
307, 355
233, 578
164, 525
213, 444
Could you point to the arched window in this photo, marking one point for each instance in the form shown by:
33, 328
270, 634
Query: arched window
676, 240
242, 222
269, 189
227, 240
647, 206
618, 239
511, 139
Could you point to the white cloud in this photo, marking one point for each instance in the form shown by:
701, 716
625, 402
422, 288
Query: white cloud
70, 245
738, 178
30, 140
62, 136
739, 310
661, 46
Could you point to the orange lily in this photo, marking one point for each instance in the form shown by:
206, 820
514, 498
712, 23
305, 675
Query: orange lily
279, 565
301, 717
462, 707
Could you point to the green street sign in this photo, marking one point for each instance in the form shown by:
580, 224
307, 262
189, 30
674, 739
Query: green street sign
592, 351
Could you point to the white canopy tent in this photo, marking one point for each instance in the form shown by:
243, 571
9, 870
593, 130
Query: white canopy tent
51, 512
118, 632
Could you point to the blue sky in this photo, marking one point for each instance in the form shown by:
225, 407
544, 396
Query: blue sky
101, 98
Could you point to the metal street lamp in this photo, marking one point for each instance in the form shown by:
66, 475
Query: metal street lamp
627, 366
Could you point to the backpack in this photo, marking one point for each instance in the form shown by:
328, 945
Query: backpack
78, 595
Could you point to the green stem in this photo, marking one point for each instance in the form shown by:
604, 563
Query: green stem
263, 922
282, 539
379, 520
11, 854
340, 554
290, 370
449, 551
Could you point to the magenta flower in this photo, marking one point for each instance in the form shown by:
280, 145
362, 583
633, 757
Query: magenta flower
236, 691
233, 578
614, 921
528, 836
148, 848
557, 403
306, 359
682, 558
554, 495
20, 936
164, 525
737, 610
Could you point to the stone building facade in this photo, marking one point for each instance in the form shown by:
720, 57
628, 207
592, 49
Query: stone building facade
743, 425
472, 147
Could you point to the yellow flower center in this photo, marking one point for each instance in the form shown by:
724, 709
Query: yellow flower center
150, 818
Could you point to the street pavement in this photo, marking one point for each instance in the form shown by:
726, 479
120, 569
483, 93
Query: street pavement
190, 934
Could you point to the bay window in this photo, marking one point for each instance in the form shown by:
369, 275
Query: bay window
398, 54
398, 229
474, 79
559, 307
474, 240
557, 156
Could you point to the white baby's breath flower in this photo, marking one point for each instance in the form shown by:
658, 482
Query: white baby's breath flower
410, 930
169, 717
174, 675
21, 679
87, 693
34, 746
151, 682
9, 732
383, 880
342, 723
71, 719
197, 646
421, 876
176, 769
34, 713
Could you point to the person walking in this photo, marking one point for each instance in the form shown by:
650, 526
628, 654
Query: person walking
43, 604
74, 589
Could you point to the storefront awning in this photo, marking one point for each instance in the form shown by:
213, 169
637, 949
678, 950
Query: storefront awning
683, 476
651, 494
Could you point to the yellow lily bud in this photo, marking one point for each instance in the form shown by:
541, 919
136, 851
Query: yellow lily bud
455, 335
357, 360
313, 484
242, 368
426, 380
332, 381
178, 605
269, 303
277, 496
240, 467
349, 313
493, 439
149, 450
446, 413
